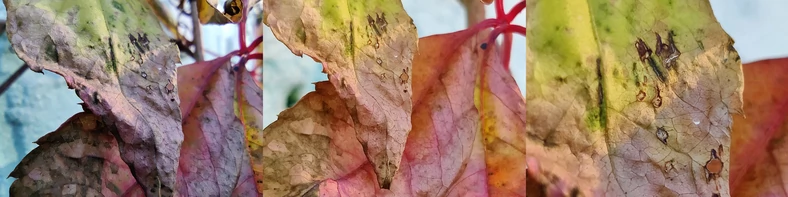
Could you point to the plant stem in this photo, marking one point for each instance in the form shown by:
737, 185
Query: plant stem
197, 40
13, 78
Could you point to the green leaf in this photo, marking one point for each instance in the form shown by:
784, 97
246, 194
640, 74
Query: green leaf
606, 116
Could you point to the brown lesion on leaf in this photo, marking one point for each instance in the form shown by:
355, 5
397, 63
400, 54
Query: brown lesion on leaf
713, 166
641, 95
644, 52
378, 23
667, 51
662, 135
404, 77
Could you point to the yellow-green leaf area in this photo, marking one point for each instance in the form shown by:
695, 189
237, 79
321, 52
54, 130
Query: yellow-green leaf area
340, 15
102, 21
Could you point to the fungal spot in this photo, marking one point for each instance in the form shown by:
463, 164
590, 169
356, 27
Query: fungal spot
667, 51
404, 77
641, 95
644, 52
713, 166
662, 135
170, 87
379, 61
144, 75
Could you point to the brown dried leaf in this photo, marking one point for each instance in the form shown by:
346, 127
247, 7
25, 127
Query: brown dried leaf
116, 56
611, 113
78, 159
366, 48
313, 141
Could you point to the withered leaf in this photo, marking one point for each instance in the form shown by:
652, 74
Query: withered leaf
599, 102
80, 158
116, 56
366, 48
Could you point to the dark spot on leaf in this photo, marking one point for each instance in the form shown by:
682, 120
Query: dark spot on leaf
667, 51
601, 93
95, 98
644, 52
118, 6
113, 61
662, 135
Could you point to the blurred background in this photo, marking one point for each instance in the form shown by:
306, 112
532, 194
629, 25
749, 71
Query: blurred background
36, 104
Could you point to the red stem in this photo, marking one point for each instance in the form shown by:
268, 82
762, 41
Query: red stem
507, 28
487, 23
499, 12
255, 56
242, 28
516, 10
507, 50
254, 45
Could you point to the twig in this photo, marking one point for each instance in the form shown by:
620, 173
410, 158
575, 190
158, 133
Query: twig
13, 78
197, 40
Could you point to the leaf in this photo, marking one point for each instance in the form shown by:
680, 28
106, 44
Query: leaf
312, 148
214, 160
113, 54
453, 150
366, 48
607, 116
210, 15
249, 96
80, 158
758, 142
311, 142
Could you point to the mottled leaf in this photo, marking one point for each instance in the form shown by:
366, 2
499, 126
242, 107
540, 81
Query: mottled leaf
80, 158
630, 98
758, 147
311, 142
366, 48
116, 56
